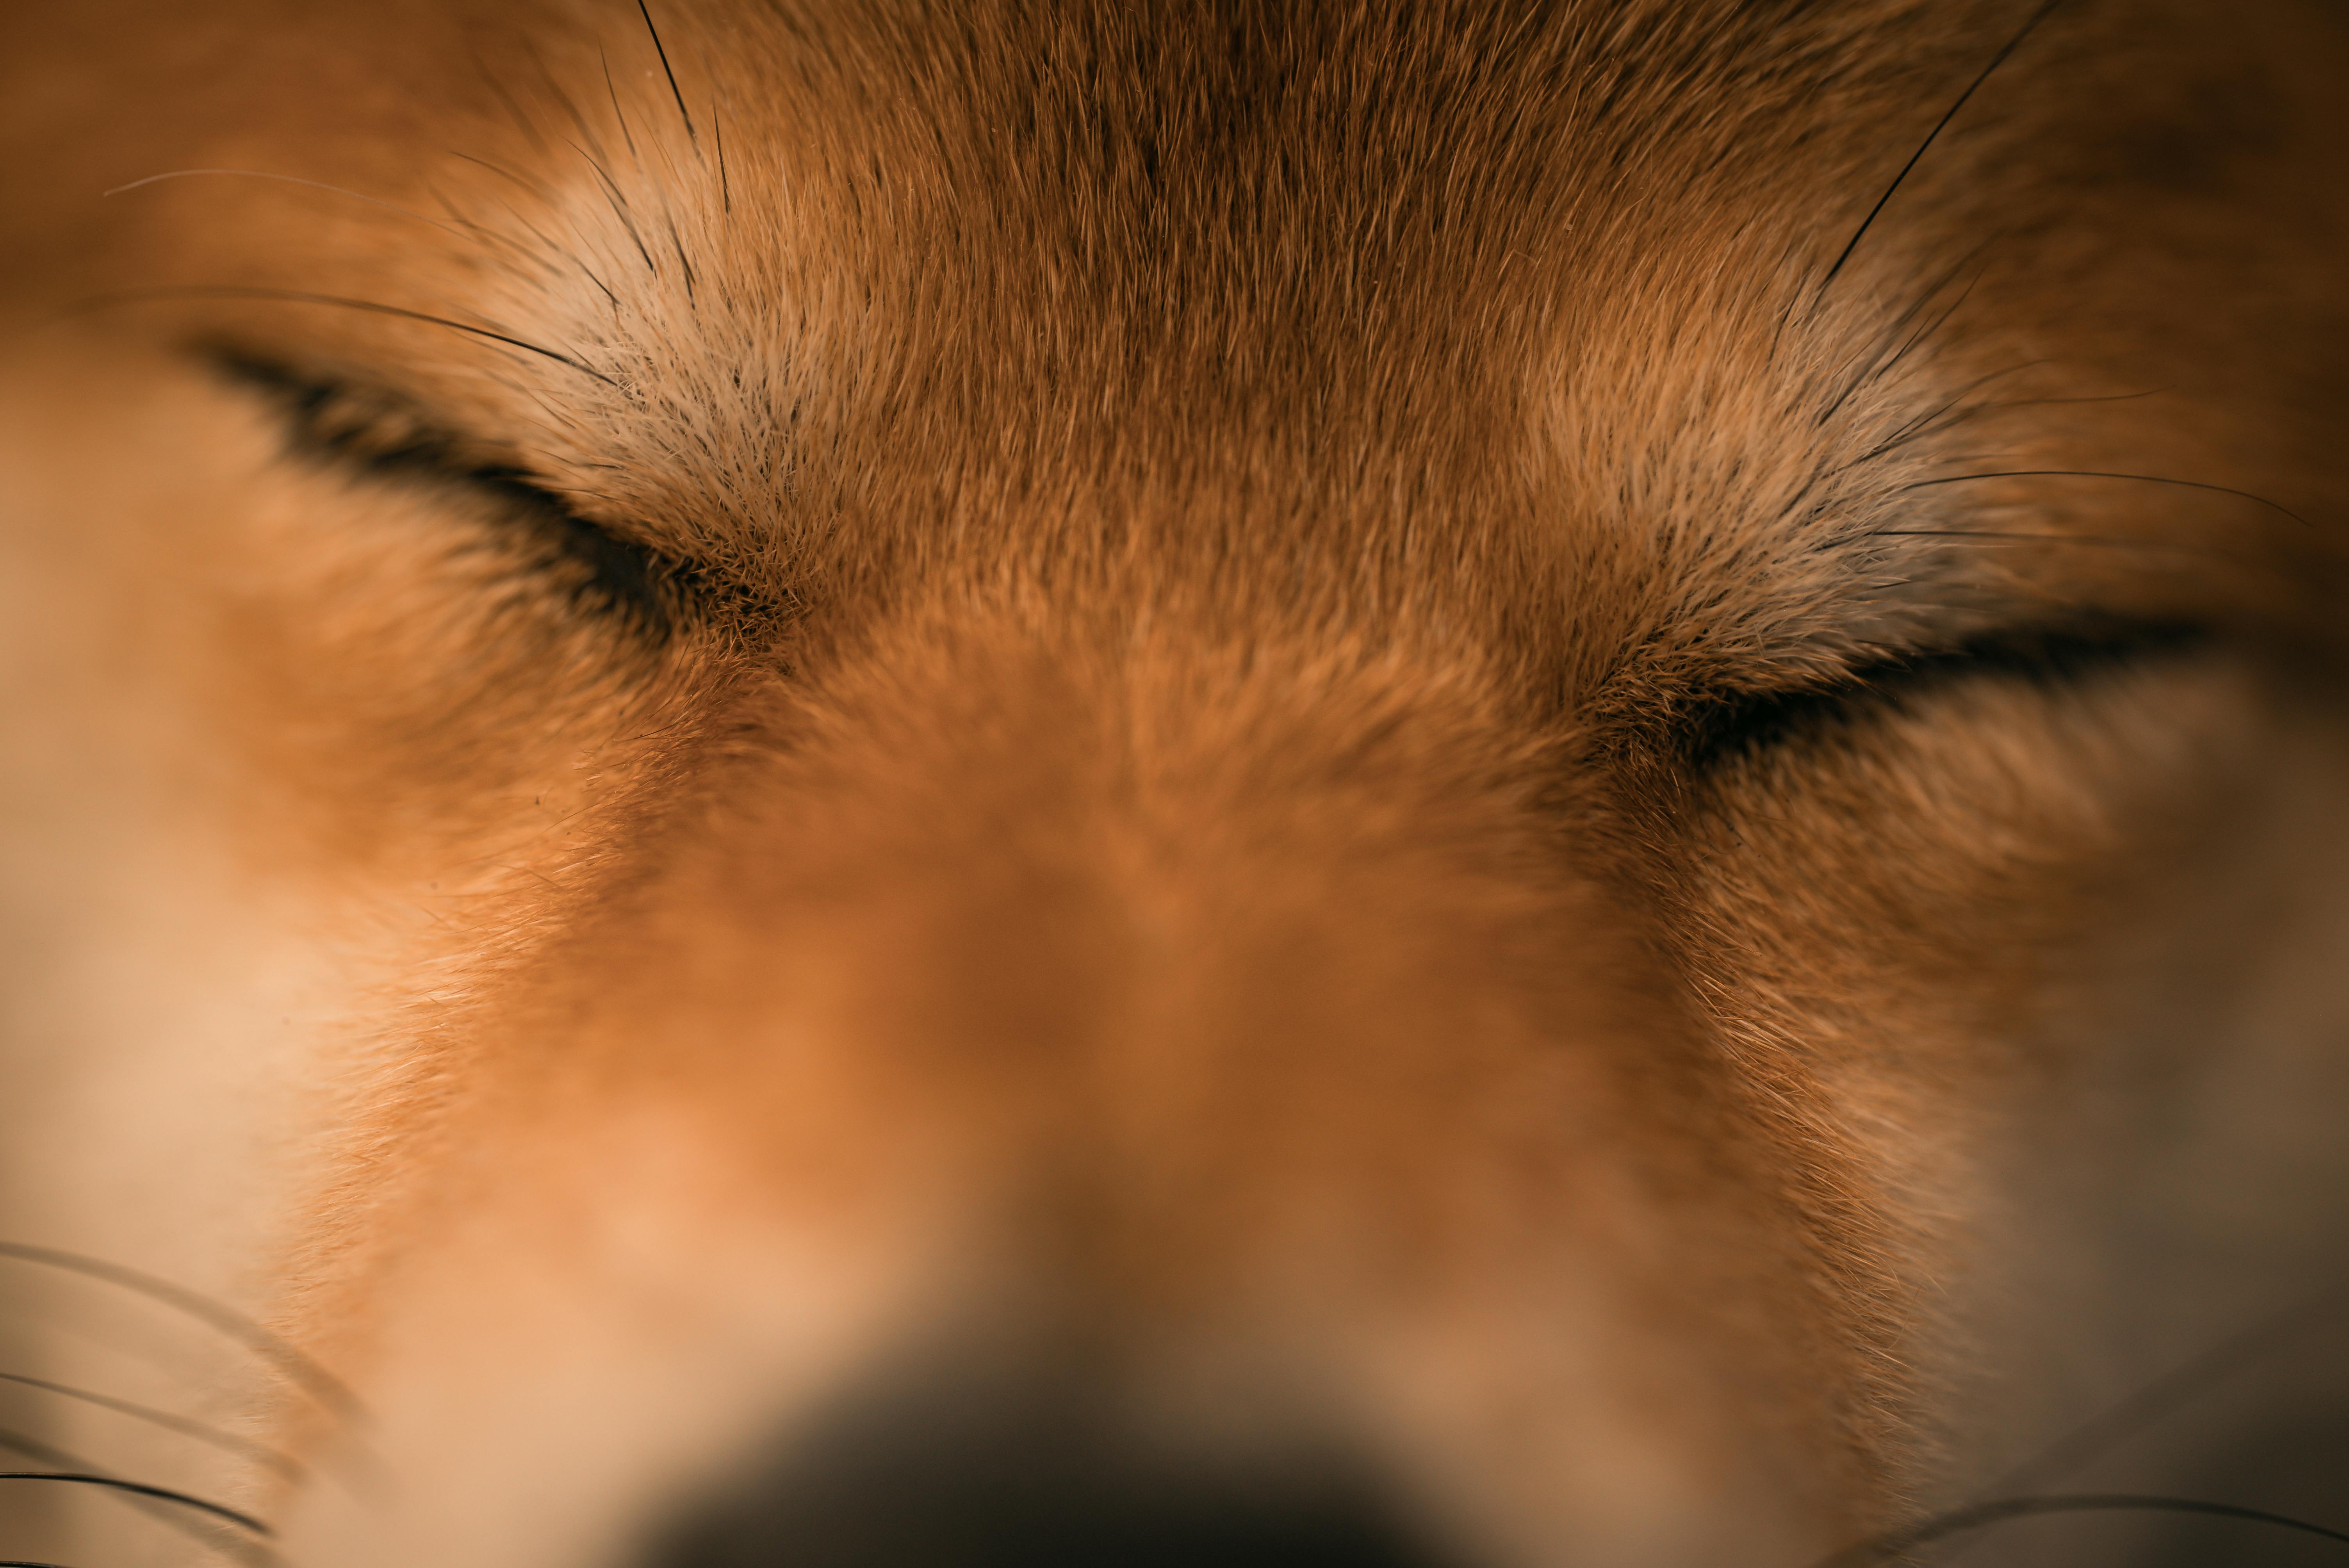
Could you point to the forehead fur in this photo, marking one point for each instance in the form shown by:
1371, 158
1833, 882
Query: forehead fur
1093, 262
1302, 311
1564, 288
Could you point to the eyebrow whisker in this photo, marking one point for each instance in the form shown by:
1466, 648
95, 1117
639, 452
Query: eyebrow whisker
1930, 137
2108, 541
2102, 474
286, 180
662, 49
299, 296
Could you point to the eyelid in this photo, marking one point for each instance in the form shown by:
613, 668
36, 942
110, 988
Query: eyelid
377, 433
1721, 726
354, 421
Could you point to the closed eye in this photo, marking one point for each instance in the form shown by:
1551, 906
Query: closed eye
1723, 728
376, 435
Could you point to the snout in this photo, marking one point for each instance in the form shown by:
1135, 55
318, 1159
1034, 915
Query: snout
1291, 1023
1014, 1466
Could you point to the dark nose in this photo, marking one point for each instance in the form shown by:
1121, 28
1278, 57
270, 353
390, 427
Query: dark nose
958, 1476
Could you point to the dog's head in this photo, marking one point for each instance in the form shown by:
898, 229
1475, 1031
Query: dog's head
1204, 782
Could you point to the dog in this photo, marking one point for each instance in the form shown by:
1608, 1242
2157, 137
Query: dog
866, 785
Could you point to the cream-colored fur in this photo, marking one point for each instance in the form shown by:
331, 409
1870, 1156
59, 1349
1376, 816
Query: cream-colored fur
1455, 739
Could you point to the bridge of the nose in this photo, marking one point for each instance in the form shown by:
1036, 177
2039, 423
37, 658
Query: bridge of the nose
1254, 997
1176, 926
1286, 1012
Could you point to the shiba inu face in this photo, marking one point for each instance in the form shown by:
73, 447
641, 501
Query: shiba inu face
874, 786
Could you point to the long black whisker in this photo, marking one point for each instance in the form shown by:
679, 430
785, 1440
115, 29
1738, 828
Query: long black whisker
140, 1488
1923, 146
297, 296
1892, 1548
2086, 1443
2100, 474
290, 179
718, 134
323, 1385
2094, 541
259, 1454
214, 1536
661, 49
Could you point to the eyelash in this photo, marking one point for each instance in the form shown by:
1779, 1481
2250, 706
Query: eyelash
379, 436
1724, 727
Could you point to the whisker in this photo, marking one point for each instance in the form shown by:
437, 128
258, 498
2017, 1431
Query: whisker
2066, 402
1958, 409
289, 179
141, 1489
1924, 333
662, 50
2100, 474
1953, 412
2085, 1444
569, 105
615, 199
676, 242
245, 1547
627, 137
2098, 541
1892, 1548
260, 1453
1877, 365
531, 186
522, 116
1930, 137
297, 296
547, 246
320, 1383
718, 134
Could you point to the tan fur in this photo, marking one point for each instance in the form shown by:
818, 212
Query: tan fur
1167, 826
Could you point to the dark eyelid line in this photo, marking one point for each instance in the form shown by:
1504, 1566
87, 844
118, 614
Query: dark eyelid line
1722, 725
636, 578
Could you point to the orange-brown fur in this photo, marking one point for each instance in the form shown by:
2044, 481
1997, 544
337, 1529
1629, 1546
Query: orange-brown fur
1170, 816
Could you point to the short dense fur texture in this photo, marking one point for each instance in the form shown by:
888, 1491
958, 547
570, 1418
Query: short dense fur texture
1516, 786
